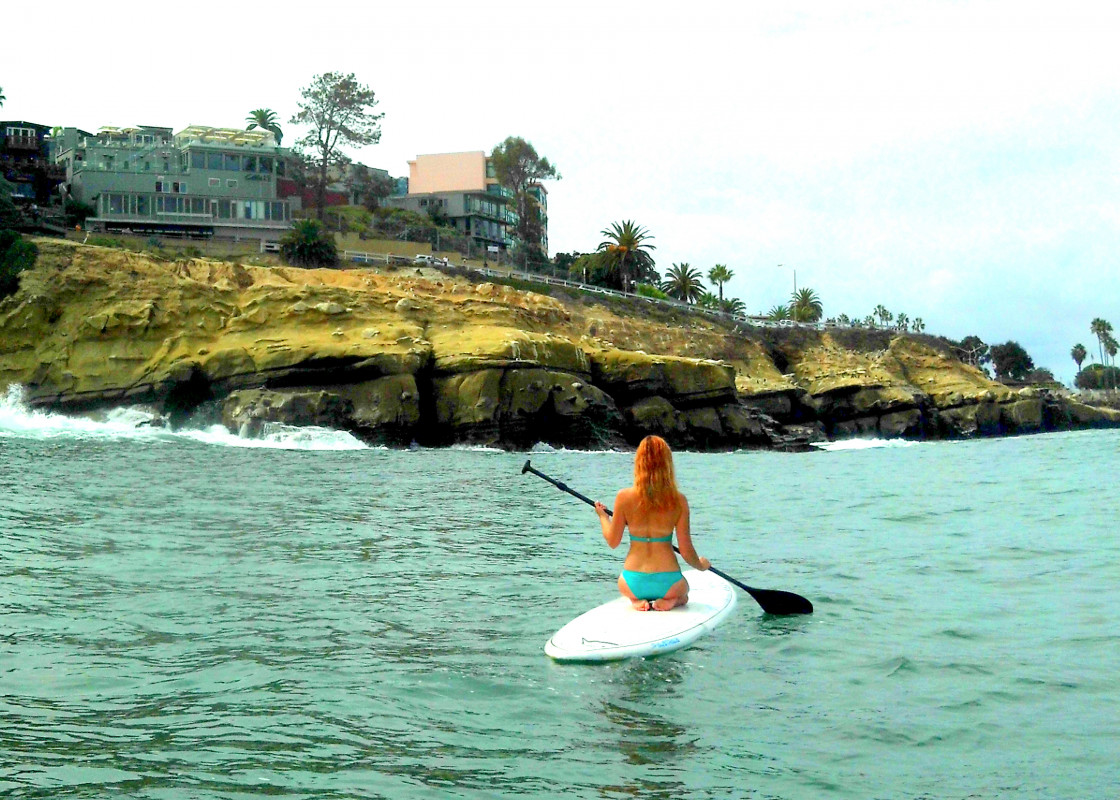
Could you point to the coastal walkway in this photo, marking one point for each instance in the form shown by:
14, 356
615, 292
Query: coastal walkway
359, 257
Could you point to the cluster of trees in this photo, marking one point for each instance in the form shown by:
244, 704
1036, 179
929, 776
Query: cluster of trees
1008, 361
803, 306
881, 317
16, 253
519, 168
624, 261
1101, 375
338, 111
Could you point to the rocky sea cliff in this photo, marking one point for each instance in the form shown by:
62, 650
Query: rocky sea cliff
441, 358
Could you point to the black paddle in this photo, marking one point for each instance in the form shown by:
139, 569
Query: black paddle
773, 601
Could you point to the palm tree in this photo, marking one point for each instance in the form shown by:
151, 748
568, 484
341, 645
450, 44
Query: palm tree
1110, 348
627, 244
902, 322
2, 98
719, 275
265, 118
884, 316
683, 282
805, 306
1100, 328
308, 244
708, 300
778, 313
732, 305
917, 325
1078, 354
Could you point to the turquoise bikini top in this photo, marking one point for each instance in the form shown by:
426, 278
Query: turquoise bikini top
668, 538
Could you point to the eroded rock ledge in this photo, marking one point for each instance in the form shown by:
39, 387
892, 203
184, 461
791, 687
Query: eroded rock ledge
442, 359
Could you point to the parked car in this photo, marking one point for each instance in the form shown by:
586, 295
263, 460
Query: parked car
425, 259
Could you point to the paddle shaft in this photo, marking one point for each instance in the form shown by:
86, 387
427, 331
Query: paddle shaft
772, 601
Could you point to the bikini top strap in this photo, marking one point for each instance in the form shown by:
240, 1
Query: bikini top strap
651, 539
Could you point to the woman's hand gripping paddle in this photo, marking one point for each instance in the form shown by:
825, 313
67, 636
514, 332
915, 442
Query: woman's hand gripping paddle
773, 601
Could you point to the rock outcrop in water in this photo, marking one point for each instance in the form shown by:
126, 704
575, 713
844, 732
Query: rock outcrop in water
439, 358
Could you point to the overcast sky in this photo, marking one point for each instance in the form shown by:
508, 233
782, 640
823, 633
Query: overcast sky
956, 161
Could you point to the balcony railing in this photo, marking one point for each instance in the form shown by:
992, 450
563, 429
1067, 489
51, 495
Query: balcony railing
21, 142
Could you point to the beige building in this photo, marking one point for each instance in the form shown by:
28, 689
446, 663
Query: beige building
463, 188
450, 172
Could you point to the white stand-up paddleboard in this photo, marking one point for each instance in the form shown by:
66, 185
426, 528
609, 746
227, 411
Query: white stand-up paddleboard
615, 630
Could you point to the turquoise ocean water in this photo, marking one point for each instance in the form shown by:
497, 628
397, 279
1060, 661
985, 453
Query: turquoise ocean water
197, 616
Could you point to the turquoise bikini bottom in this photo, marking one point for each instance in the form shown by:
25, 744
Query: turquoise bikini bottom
650, 585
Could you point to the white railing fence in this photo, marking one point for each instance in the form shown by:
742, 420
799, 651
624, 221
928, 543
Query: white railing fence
359, 257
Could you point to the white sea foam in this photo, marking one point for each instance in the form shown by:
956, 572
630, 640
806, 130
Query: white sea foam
17, 420
863, 444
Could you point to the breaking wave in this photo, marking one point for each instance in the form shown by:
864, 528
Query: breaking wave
19, 421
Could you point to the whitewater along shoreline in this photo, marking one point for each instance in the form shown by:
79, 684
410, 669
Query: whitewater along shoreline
443, 358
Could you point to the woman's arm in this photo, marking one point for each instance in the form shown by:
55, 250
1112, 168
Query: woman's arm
613, 526
684, 538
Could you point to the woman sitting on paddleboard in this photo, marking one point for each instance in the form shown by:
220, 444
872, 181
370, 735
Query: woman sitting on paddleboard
652, 509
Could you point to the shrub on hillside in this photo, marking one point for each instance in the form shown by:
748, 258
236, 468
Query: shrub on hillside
307, 244
1096, 376
16, 255
108, 241
645, 290
77, 213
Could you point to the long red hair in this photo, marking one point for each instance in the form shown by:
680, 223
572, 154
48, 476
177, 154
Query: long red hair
653, 475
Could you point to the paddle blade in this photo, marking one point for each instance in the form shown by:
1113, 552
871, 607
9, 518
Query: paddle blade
774, 601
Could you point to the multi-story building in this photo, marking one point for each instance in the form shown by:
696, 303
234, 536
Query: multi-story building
462, 188
25, 162
540, 194
199, 182
346, 185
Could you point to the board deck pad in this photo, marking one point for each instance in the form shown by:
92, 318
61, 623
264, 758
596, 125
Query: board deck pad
615, 630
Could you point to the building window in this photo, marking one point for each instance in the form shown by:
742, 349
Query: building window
213, 161
178, 188
143, 205
169, 205
231, 183
214, 182
159, 187
231, 162
198, 160
223, 209
198, 205
249, 163
266, 164
116, 204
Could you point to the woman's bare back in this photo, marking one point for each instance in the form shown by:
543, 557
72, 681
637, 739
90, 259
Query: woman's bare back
647, 523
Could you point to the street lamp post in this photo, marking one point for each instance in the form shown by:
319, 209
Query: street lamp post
794, 278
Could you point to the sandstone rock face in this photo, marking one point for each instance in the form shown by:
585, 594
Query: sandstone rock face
684, 382
400, 358
245, 412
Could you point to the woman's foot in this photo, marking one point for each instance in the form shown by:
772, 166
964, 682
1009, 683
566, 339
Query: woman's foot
668, 603
641, 605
